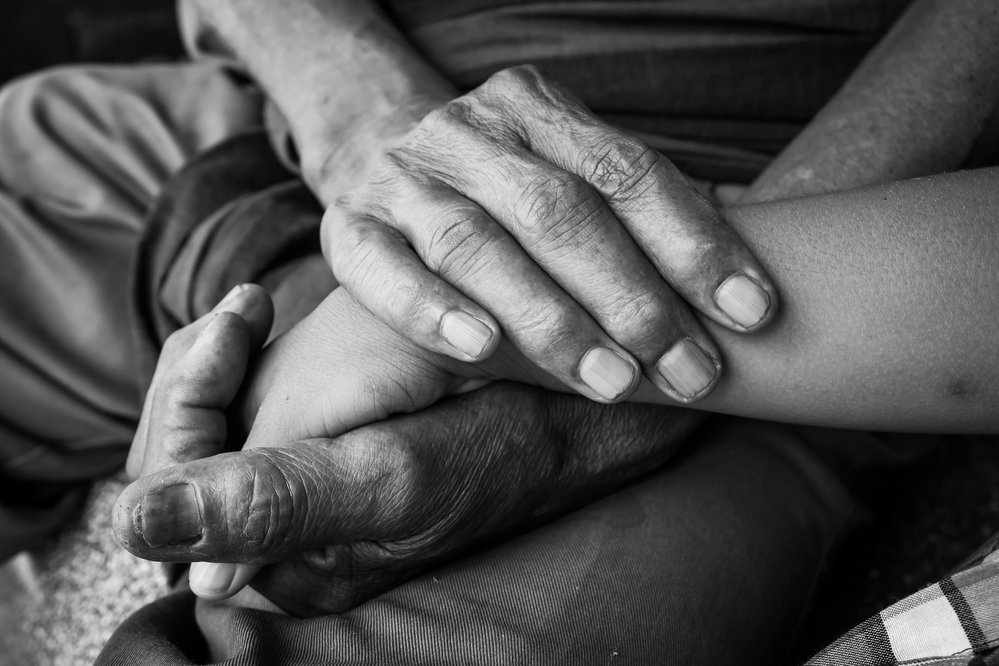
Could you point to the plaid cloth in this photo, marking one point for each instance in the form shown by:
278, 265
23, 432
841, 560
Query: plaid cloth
951, 623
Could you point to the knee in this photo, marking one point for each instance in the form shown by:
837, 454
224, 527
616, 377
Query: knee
39, 114
63, 145
27, 105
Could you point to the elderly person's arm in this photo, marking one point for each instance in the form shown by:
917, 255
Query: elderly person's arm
450, 194
919, 104
542, 224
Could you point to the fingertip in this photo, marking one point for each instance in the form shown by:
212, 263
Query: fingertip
690, 371
215, 581
469, 338
133, 466
254, 305
747, 301
609, 374
230, 299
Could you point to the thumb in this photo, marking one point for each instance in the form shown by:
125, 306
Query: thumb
199, 372
266, 504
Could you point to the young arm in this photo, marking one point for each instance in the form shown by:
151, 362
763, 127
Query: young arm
893, 300
891, 308
901, 326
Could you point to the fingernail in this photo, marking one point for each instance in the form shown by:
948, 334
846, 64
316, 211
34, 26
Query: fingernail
233, 293
465, 333
211, 577
606, 373
742, 299
168, 516
687, 368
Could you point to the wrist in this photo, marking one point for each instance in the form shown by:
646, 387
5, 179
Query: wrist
346, 81
339, 152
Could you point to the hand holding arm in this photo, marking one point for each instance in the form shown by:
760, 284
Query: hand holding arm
354, 515
511, 211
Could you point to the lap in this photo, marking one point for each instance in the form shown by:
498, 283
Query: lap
711, 560
708, 560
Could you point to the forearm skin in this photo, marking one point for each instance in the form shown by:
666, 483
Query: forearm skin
889, 311
346, 80
900, 336
888, 294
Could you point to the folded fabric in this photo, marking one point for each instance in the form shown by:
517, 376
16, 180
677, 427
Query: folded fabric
234, 214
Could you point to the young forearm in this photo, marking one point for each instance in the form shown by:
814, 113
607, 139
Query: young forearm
890, 305
846, 350
346, 80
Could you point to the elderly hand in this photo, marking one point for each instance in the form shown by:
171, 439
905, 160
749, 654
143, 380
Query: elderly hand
351, 516
515, 209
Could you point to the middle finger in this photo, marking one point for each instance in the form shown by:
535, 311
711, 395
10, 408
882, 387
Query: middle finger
567, 229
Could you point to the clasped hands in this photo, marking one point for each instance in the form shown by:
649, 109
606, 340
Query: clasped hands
509, 235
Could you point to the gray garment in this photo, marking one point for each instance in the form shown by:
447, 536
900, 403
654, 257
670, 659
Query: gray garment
83, 153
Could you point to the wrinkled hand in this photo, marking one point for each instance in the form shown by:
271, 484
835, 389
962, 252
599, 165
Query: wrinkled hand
352, 516
515, 209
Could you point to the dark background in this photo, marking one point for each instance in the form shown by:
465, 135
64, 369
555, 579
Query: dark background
924, 519
40, 33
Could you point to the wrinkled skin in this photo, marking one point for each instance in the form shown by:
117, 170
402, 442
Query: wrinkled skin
513, 211
350, 516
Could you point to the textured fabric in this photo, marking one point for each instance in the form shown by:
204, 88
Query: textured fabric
951, 623
727, 541
60, 603
83, 154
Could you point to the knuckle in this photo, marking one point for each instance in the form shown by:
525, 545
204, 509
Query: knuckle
187, 385
546, 329
633, 317
446, 120
351, 250
558, 208
528, 85
377, 461
392, 167
518, 77
407, 301
177, 344
619, 165
453, 246
334, 229
267, 494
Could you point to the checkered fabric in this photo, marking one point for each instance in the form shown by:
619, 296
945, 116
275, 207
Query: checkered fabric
951, 623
